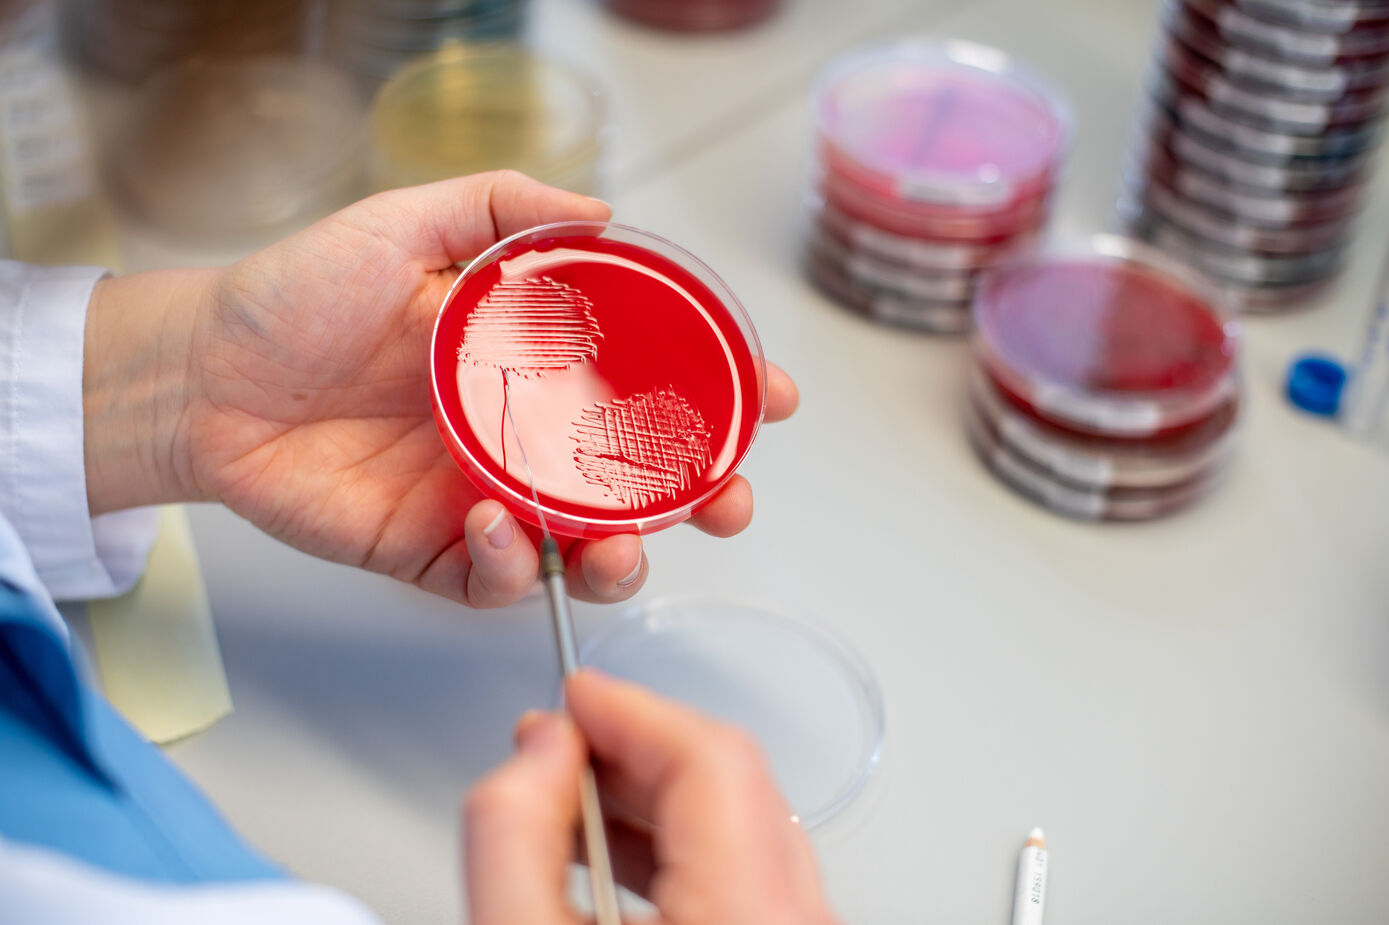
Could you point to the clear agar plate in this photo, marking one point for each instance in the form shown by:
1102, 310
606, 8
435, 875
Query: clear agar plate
624, 366
941, 122
695, 15
1107, 336
929, 315
216, 148
807, 697
923, 253
1102, 462
471, 108
1078, 501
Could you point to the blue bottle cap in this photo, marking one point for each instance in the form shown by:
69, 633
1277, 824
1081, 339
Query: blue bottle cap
1315, 383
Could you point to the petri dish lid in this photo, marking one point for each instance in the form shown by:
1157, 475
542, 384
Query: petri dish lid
1108, 336
940, 121
470, 108
605, 366
799, 688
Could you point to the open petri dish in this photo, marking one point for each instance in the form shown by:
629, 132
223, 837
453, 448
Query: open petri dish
471, 108
629, 370
1107, 336
807, 697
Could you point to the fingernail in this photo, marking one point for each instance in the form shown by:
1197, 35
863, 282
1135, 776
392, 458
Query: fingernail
540, 733
601, 202
636, 573
527, 722
500, 531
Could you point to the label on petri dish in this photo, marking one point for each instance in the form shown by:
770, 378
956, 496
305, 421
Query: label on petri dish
631, 385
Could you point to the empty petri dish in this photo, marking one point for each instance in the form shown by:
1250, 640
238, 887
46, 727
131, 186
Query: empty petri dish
215, 148
1107, 336
807, 697
625, 368
471, 108
1106, 462
940, 122
1079, 501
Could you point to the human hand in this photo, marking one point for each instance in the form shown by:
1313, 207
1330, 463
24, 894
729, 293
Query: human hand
720, 847
293, 387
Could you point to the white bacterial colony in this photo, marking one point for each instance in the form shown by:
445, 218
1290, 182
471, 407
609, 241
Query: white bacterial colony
531, 327
643, 448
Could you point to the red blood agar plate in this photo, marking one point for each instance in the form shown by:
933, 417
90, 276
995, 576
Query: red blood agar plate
634, 378
1107, 336
931, 315
923, 253
695, 15
940, 124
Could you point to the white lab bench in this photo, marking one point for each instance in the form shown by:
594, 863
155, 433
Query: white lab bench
1196, 709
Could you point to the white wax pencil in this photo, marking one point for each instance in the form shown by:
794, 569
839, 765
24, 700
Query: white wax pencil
1031, 895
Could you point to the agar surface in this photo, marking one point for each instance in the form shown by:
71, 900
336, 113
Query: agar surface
531, 327
643, 448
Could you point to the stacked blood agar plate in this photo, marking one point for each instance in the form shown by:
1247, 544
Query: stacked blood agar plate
1255, 144
935, 160
1106, 382
375, 38
695, 15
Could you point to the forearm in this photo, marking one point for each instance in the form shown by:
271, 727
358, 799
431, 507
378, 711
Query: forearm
137, 381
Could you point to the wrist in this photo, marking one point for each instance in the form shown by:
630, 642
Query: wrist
137, 383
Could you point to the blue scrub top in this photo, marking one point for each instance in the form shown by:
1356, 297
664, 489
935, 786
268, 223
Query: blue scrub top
76, 778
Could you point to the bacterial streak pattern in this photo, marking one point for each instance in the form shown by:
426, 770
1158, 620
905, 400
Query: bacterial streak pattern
643, 448
530, 327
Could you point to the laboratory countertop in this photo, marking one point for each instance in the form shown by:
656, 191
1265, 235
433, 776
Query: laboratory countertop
1196, 709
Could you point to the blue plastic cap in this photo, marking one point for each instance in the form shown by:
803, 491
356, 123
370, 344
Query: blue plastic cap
1315, 384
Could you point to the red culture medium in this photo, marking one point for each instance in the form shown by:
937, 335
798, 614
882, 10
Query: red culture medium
635, 386
1104, 344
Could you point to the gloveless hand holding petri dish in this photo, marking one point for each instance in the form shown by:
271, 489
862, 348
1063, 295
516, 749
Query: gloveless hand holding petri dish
597, 379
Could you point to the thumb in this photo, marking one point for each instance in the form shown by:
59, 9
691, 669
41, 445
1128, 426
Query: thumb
441, 224
519, 828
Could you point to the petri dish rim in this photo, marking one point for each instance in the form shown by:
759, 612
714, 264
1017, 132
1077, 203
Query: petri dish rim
522, 504
830, 641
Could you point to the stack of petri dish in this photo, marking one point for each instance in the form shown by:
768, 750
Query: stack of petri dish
375, 38
1255, 142
695, 15
935, 160
470, 108
132, 39
1106, 382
